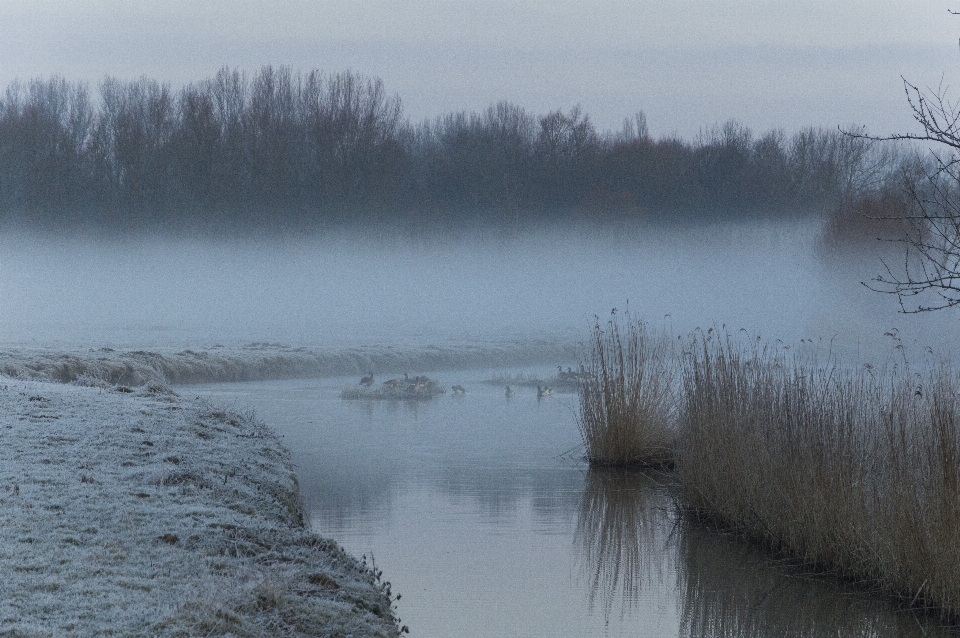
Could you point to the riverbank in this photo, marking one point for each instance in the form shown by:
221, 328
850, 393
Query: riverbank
266, 361
140, 512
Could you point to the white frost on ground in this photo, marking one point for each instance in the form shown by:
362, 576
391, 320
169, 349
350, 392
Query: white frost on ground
258, 361
141, 513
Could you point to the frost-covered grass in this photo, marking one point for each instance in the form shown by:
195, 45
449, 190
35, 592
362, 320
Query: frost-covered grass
138, 512
262, 361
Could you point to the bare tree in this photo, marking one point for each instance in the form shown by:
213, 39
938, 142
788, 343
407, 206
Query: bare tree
929, 277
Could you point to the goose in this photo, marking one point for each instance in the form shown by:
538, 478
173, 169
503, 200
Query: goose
544, 391
458, 389
367, 380
510, 392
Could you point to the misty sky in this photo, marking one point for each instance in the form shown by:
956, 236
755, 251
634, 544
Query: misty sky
687, 64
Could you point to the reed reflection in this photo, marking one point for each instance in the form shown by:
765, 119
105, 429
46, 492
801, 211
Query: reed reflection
633, 545
624, 531
731, 590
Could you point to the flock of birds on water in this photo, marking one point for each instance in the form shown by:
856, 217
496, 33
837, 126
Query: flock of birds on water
416, 384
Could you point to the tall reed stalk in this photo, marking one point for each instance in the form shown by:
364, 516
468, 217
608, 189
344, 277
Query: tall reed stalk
856, 471
627, 386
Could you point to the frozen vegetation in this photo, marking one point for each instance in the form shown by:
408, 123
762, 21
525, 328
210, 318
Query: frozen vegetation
258, 361
138, 512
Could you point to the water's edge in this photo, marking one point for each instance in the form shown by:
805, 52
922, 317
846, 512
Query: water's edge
189, 522
262, 361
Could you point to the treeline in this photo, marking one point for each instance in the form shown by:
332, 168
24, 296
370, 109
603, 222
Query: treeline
283, 145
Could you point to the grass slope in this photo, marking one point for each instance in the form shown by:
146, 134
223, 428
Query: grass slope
143, 513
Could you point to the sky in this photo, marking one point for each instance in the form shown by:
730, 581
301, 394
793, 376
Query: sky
688, 65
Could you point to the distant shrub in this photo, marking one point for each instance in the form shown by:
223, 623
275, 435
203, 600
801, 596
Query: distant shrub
860, 222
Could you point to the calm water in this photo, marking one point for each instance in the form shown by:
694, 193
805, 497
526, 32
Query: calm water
479, 512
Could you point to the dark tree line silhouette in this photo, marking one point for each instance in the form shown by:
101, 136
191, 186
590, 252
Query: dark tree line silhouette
281, 146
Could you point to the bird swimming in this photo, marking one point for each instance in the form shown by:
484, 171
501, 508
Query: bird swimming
367, 380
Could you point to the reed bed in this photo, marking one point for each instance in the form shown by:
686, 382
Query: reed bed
855, 471
627, 389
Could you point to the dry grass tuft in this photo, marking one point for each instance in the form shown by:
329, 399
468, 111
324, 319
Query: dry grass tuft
851, 470
627, 395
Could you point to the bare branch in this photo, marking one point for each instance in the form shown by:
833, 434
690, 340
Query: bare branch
929, 278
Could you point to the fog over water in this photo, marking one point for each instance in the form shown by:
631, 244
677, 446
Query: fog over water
476, 500
475, 287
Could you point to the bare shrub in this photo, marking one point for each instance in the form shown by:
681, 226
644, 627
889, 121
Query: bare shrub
858, 223
627, 395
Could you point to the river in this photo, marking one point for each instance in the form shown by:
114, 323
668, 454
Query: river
482, 515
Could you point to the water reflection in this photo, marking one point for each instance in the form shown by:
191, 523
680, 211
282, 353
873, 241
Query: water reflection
729, 589
624, 538
629, 539
470, 506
